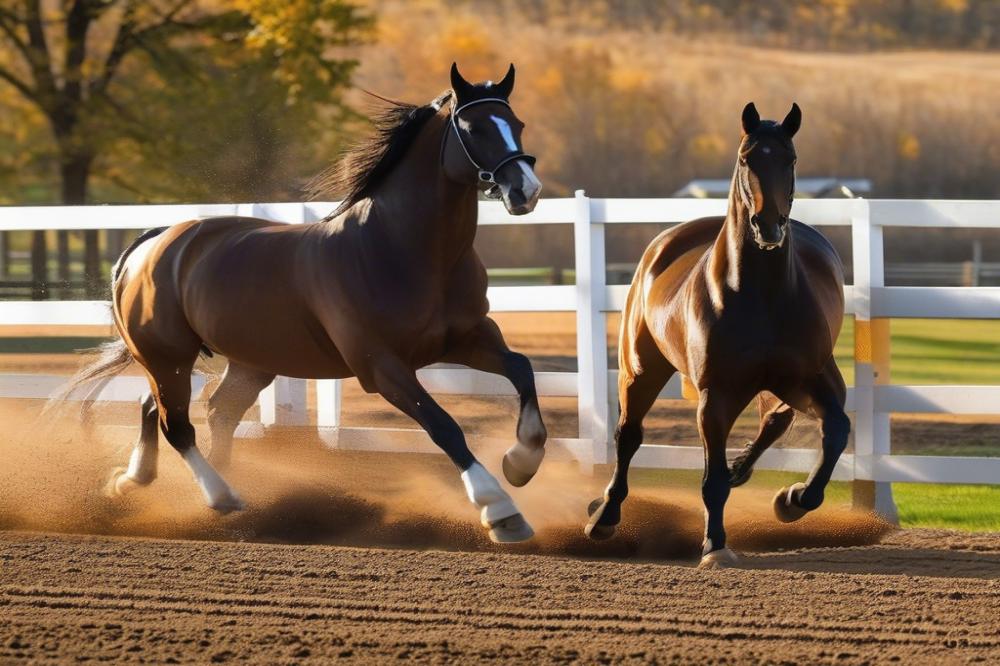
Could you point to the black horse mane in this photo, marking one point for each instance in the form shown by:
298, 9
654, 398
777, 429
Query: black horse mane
364, 165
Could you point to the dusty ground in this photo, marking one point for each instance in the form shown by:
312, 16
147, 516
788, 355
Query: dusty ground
923, 598
370, 557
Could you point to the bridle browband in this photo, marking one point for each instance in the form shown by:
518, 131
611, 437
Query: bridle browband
486, 176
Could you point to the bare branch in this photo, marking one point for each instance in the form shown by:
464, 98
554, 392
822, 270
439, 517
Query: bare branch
8, 24
38, 52
20, 85
128, 38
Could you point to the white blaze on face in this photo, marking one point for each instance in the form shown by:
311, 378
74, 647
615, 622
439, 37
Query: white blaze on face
505, 133
531, 186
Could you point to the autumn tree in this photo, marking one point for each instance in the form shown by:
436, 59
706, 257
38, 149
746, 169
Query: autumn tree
112, 74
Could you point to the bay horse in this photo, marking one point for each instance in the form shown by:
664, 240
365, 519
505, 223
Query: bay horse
387, 284
745, 305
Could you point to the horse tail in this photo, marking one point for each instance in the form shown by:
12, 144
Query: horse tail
113, 358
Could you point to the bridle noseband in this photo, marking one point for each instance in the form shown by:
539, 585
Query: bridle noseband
486, 176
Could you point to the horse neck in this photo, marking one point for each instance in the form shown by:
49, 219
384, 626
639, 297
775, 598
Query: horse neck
742, 267
418, 208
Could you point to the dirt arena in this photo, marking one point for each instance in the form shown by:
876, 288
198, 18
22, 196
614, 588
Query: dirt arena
918, 598
369, 557
373, 557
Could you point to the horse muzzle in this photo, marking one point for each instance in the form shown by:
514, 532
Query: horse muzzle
522, 198
760, 237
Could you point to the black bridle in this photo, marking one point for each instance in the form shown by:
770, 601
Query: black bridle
486, 176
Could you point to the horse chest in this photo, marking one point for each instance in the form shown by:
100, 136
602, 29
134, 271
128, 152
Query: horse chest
756, 348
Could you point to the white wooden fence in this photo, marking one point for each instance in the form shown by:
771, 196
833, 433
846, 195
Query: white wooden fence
872, 303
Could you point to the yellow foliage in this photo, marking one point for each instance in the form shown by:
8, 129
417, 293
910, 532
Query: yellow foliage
708, 146
466, 39
549, 81
626, 78
956, 6
908, 146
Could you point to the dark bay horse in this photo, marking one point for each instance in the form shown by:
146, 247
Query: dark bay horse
387, 284
745, 305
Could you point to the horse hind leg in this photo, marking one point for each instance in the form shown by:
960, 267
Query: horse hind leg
141, 470
776, 418
238, 390
173, 397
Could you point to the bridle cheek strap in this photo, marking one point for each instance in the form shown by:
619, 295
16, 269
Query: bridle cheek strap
743, 187
485, 176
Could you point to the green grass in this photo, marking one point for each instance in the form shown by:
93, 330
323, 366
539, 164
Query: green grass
933, 351
957, 507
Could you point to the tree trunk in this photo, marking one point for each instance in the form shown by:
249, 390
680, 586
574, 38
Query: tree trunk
75, 171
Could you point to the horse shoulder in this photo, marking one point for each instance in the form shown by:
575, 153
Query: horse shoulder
653, 301
821, 269
465, 291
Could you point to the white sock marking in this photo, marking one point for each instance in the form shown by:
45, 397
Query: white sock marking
485, 492
217, 492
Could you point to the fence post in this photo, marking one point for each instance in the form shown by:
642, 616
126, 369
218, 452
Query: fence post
871, 367
329, 395
591, 330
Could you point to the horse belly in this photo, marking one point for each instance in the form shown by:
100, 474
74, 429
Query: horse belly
283, 344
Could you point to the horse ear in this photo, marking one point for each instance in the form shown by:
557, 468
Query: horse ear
792, 121
751, 119
458, 83
506, 87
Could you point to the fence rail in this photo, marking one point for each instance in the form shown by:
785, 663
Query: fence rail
871, 467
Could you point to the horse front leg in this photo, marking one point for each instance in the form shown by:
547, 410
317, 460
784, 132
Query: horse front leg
398, 384
717, 412
485, 349
826, 398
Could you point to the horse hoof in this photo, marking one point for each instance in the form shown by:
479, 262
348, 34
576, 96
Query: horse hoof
736, 481
520, 464
512, 529
595, 529
224, 505
118, 483
785, 508
598, 532
719, 559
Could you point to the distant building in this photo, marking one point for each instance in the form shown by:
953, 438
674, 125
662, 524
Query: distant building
805, 188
